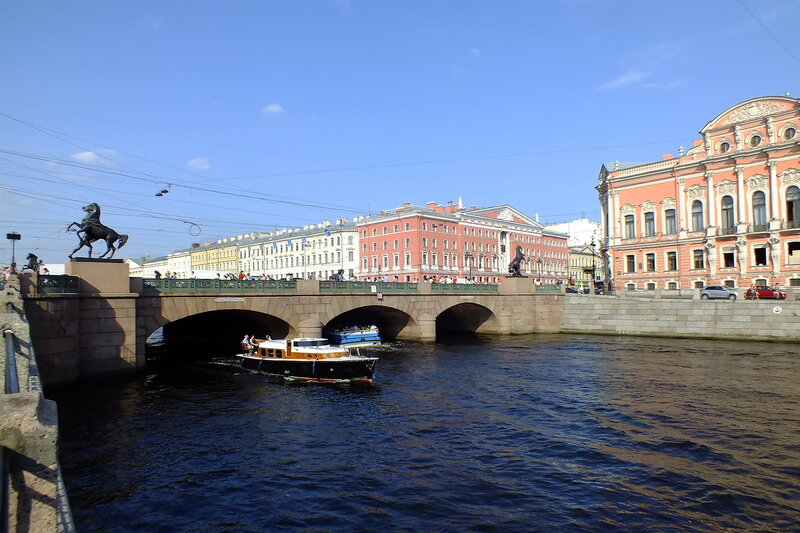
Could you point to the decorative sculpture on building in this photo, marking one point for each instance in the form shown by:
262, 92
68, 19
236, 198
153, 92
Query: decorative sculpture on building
513, 266
33, 263
90, 230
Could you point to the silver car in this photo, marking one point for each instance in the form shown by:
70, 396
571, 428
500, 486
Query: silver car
717, 292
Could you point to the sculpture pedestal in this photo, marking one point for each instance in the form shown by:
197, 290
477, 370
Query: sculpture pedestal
100, 276
516, 285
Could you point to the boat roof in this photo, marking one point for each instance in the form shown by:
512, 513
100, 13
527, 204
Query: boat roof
301, 343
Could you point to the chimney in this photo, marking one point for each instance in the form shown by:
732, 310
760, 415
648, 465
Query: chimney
430, 205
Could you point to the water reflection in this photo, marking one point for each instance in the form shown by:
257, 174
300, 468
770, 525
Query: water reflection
499, 433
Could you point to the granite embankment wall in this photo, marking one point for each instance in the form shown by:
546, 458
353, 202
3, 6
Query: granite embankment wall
769, 320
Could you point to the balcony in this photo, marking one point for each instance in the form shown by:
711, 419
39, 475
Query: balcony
730, 230
759, 228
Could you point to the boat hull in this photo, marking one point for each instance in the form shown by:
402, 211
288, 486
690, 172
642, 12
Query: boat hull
350, 369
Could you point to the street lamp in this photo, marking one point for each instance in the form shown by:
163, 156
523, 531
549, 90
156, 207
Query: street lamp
13, 237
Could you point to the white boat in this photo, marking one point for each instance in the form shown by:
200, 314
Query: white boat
309, 359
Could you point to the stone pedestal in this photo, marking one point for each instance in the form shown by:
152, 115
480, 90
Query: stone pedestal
516, 285
100, 276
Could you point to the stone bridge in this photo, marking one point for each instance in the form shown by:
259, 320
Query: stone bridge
96, 320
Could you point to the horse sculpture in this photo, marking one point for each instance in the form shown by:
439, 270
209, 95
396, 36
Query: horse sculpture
513, 266
33, 263
90, 230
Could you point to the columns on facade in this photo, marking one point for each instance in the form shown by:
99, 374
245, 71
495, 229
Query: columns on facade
773, 193
679, 208
740, 195
711, 207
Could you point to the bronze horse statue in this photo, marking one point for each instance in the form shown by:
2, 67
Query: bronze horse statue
90, 230
33, 263
513, 266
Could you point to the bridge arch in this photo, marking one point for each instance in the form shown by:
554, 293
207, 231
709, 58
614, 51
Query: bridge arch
466, 317
390, 321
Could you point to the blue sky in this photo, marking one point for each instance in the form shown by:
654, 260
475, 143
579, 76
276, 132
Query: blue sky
262, 115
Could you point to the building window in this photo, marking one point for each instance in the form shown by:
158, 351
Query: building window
724, 147
408, 226
760, 256
793, 206
760, 210
651, 262
672, 286
374, 246
755, 140
728, 221
407, 243
728, 258
396, 243
630, 264
670, 227
651, 286
789, 133
672, 261
630, 228
698, 259
697, 216
649, 224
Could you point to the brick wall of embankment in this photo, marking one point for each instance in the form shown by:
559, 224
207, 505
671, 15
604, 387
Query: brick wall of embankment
741, 319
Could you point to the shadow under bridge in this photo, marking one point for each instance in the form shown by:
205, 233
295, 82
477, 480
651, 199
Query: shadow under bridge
219, 333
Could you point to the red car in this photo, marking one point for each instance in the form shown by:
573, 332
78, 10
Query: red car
765, 293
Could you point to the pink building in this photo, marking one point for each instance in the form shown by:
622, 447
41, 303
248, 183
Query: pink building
725, 212
412, 243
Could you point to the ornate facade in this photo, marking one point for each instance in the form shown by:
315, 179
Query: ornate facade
727, 211
414, 243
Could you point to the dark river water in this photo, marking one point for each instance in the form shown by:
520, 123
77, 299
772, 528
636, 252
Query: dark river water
508, 433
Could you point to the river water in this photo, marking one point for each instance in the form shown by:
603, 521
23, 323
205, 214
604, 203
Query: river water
488, 433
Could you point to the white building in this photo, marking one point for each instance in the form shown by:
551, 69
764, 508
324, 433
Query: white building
582, 231
313, 251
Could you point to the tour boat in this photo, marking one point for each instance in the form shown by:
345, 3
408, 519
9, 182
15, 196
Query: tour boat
355, 336
309, 359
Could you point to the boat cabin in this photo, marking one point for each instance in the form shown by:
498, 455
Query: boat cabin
301, 348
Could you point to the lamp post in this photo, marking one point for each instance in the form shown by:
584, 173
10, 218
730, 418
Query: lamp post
13, 237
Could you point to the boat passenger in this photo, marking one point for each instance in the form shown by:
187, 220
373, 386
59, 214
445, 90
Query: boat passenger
246, 344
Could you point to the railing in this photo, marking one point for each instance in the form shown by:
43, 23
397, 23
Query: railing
360, 287
48, 284
759, 228
152, 286
464, 288
730, 230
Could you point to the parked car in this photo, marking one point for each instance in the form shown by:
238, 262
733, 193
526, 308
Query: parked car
717, 292
572, 290
765, 292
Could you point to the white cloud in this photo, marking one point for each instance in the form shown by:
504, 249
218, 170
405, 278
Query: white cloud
649, 68
199, 163
272, 109
624, 80
100, 157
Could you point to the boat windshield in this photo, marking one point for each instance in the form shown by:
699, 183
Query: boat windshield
310, 342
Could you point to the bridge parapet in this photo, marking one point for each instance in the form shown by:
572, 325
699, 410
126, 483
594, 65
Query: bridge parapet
152, 286
33, 495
